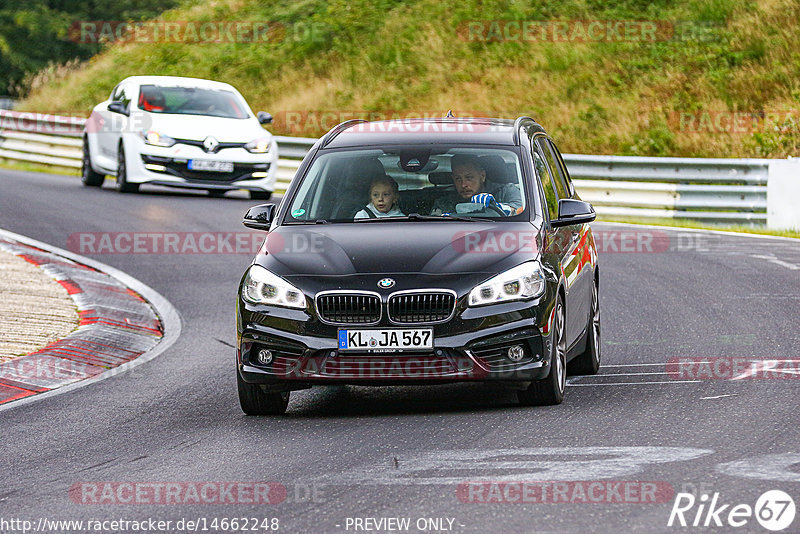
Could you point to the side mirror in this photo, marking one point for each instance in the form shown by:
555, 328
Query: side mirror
118, 107
572, 211
264, 117
259, 217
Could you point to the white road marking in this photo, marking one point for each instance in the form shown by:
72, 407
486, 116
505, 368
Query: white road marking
767, 467
635, 374
760, 366
502, 465
662, 364
674, 382
776, 261
718, 397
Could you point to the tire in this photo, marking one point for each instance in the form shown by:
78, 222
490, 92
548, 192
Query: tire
122, 172
588, 363
550, 391
255, 401
260, 195
216, 193
89, 177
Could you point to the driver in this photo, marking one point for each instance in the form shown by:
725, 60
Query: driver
469, 178
152, 100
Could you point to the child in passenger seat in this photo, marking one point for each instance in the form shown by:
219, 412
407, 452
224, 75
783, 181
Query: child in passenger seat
384, 195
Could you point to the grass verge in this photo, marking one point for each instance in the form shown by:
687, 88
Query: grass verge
16, 165
686, 223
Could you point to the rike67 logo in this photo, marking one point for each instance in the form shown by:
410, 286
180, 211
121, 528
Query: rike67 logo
774, 510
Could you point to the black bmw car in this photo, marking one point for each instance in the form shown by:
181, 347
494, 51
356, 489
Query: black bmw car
420, 252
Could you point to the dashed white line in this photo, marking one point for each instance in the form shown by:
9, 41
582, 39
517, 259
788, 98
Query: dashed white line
661, 364
760, 366
635, 374
635, 383
776, 261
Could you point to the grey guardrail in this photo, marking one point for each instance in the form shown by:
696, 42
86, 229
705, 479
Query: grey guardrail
729, 190
7, 102
742, 191
56, 141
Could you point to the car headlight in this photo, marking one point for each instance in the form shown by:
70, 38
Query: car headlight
263, 287
151, 137
524, 281
259, 146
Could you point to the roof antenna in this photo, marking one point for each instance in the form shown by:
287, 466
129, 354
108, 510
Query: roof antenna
449, 114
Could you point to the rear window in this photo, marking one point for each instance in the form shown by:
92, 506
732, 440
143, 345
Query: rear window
191, 101
395, 182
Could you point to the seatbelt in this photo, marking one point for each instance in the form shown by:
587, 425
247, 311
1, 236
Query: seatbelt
370, 212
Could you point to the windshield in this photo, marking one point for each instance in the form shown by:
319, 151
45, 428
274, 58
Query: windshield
372, 185
191, 101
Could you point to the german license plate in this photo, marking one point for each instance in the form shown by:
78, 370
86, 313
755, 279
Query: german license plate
395, 339
210, 165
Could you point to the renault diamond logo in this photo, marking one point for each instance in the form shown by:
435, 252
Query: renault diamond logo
210, 144
386, 283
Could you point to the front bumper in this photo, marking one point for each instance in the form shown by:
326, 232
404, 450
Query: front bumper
169, 166
473, 346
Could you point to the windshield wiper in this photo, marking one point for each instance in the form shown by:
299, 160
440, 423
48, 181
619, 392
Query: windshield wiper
418, 217
315, 221
395, 218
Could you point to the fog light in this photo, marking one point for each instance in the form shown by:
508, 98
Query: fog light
265, 357
516, 353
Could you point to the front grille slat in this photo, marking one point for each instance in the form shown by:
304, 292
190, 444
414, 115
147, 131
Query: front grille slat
403, 308
349, 308
428, 307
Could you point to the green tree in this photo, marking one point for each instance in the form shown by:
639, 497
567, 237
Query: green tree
36, 34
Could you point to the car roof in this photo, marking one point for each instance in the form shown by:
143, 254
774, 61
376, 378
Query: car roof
177, 81
445, 130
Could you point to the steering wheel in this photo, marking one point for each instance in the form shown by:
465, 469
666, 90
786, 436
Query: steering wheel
496, 209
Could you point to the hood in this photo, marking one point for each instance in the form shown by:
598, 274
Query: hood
198, 127
426, 248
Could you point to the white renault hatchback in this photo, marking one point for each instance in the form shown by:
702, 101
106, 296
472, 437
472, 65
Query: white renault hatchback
179, 132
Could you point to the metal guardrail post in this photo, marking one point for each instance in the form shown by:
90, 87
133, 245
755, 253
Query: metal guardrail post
783, 195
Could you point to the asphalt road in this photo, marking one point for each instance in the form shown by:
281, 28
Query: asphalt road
352, 452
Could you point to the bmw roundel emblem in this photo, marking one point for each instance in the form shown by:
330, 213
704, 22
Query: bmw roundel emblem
386, 283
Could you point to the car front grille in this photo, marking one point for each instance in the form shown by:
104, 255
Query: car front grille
349, 308
201, 144
427, 307
241, 171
